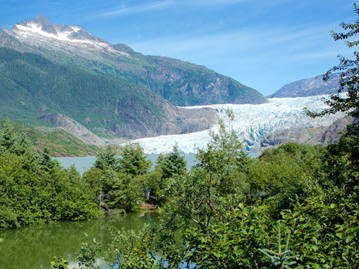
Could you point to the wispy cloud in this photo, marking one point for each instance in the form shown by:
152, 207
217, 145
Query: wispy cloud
240, 40
242, 53
211, 2
128, 9
133, 9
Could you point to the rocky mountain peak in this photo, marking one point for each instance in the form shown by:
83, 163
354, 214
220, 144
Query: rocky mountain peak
45, 23
41, 25
42, 33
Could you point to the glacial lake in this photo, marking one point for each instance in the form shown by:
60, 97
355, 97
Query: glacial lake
35, 246
82, 164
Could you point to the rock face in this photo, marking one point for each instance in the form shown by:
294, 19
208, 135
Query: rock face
321, 135
73, 127
52, 69
308, 87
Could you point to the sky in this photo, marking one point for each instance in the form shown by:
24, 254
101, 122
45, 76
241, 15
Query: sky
263, 44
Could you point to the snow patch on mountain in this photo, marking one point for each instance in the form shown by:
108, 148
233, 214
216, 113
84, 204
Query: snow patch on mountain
41, 32
252, 123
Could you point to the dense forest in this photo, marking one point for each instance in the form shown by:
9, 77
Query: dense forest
295, 206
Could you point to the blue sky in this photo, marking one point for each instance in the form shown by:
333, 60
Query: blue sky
261, 43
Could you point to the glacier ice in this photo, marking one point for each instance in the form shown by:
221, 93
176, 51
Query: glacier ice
251, 123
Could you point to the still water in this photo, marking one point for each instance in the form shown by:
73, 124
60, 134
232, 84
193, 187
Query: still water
34, 247
82, 164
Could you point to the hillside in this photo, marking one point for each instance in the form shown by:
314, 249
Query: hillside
57, 141
52, 71
181, 83
35, 90
308, 87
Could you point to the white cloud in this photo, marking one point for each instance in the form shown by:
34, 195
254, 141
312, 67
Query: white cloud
128, 9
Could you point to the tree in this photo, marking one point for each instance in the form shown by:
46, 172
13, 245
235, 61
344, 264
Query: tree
133, 160
349, 74
12, 141
160, 182
172, 164
106, 158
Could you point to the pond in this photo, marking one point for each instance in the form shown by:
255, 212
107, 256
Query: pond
34, 247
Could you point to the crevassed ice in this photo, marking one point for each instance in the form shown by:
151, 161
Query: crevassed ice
252, 123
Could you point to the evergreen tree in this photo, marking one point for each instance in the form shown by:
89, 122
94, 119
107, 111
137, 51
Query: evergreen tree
172, 164
133, 160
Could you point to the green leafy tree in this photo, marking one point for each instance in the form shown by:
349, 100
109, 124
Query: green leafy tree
35, 189
161, 181
349, 74
282, 176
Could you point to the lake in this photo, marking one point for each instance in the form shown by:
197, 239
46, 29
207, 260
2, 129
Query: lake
82, 164
35, 246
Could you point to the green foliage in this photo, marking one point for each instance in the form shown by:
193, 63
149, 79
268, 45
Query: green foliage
88, 253
35, 189
285, 175
349, 71
342, 161
233, 242
295, 207
59, 263
33, 88
225, 162
118, 182
172, 164
160, 182
133, 160
106, 159
58, 142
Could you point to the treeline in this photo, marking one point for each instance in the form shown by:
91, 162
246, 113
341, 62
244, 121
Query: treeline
295, 206
34, 188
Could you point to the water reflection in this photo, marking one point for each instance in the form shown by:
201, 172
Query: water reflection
34, 247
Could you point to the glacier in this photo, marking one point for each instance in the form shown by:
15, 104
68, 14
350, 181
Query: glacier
251, 123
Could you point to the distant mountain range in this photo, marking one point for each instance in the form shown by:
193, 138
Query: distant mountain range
308, 87
51, 72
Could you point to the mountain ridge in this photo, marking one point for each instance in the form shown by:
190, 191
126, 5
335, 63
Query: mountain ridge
308, 87
171, 78
111, 90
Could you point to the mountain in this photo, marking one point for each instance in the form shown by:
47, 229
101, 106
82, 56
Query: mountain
51, 73
179, 82
38, 91
308, 87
